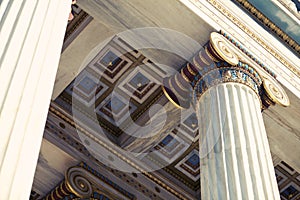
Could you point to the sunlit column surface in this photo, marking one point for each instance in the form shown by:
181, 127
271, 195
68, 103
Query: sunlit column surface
228, 96
32, 33
235, 155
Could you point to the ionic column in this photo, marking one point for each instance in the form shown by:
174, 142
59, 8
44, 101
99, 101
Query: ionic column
228, 96
235, 157
31, 33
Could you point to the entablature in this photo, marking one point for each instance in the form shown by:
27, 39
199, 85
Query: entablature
253, 37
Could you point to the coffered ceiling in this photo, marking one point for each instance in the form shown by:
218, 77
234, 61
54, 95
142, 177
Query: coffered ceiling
108, 109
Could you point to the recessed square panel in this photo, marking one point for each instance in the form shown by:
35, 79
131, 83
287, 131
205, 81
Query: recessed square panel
191, 122
127, 48
190, 165
290, 192
189, 126
193, 161
115, 109
86, 88
110, 64
286, 167
170, 147
169, 143
115, 105
138, 84
110, 60
298, 178
280, 177
86, 85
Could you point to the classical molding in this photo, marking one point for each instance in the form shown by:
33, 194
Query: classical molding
255, 37
74, 27
82, 182
290, 6
70, 121
78, 183
222, 48
272, 26
204, 73
248, 54
223, 72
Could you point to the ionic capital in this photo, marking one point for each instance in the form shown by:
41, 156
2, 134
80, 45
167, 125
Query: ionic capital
220, 61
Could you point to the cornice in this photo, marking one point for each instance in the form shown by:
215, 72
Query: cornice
254, 36
272, 26
289, 9
248, 54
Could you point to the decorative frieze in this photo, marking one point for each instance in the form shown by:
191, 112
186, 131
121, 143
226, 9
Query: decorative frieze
223, 73
253, 35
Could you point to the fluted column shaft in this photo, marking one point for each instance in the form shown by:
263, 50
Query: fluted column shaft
234, 153
31, 33
228, 95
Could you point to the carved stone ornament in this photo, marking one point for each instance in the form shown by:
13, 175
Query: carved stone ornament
77, 183
222, 47
275, 92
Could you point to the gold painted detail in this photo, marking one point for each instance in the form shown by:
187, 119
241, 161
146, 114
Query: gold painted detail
207, 62
190, 70
180, 98
58, 192
267, 22
257, 38
275, 92
209, 54
225, 73
78, 184
239, 46
221, 46
184, 76
169, 98
82, 182
116, 153
180, 84
197, 64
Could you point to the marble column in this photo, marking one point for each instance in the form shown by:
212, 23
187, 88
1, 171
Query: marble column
234, 153
32, 34
228, 96
235, 157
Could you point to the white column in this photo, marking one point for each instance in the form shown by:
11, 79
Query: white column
234, 153
31, 33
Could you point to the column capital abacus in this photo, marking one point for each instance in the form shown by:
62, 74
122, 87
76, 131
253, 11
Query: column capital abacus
229, 69
269, 90
220, 62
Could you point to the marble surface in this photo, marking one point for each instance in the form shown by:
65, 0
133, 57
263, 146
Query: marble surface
283, 129
52, 164
235, 160
114, 18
